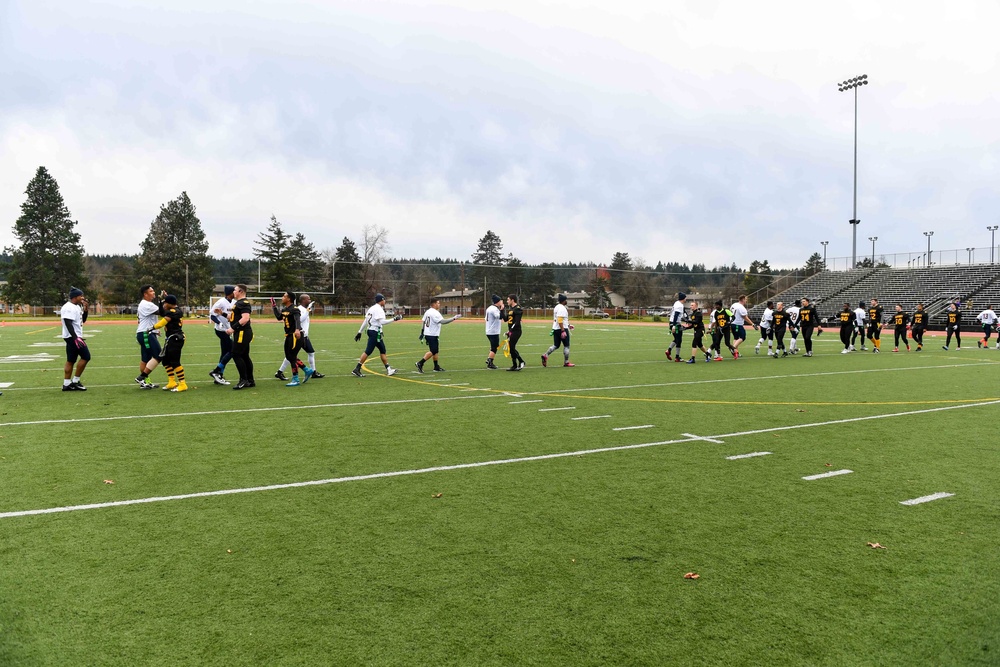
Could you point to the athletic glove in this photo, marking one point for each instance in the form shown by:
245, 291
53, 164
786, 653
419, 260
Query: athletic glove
506, 334
397, 317
564, 334
80, 343
357, 337
420, 338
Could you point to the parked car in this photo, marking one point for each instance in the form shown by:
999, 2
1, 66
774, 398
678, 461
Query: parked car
601, 315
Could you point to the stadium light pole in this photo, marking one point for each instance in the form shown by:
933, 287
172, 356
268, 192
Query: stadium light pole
929, 235
972, 254
854, 84
824, 244
993, 234
873, 239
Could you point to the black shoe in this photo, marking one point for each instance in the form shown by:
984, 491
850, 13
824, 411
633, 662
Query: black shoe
139, 380
317, 375
242, 384
514, 368
357, 373
251, 383
77, 386
438, 369
420, 366
281, 376
68, 387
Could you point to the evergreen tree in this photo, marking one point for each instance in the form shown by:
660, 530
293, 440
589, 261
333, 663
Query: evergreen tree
50, 258
349, 289
621, 264
307, 264
814, 264
174, 254
758, 277
597, 291
120, 286
541, 288
487, 260
273, 249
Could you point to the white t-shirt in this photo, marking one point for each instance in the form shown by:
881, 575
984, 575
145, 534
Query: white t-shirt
793, 316
375, 318
74, 313
739, 312
766, 318
560, 317
432, 322
224, 306
494, 319
677, 312
987, 316
304, 320
859, 316
148, 313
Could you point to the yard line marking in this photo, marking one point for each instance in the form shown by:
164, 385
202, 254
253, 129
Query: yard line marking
698, 437
75, 420
631, 428
576, 419
832, 473
460, 466
520, 402
5, 385
747, 456
926, 499
554, 409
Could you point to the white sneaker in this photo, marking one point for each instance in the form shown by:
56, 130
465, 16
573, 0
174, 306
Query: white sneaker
844, 351
851, 348
958, 348
770, 354
390, 370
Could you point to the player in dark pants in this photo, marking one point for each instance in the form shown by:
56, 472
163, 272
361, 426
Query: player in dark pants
779, 325
918, 326
808, 319
875, 325
170, 355
696, 322
722, 320
846, 319
514, 314
289, 317
242, 333
953, 326
899, 322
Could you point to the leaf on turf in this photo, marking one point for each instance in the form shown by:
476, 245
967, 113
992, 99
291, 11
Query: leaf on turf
798, 410
436, 495
229, 551
109, 481
692, 575
828, 465
875, 545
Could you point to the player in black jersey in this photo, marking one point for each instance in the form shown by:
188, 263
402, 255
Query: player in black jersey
809, 319
779, 325
721, 327
514, 314
953, 326
875, 325
289, 317
696, 322
170, 354
846, 319
919, 326
242, 333
899, 322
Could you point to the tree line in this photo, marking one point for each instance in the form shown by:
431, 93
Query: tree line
174, 255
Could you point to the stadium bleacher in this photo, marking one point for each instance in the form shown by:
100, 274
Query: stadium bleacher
976, 286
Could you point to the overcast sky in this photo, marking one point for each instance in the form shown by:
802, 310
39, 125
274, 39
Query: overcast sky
693, 131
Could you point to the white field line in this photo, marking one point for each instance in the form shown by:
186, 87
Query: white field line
556, 409
77, 420
926, 499
747, 456
631, 428
522, 402
832, 473
576, 419
462, 466
698, 437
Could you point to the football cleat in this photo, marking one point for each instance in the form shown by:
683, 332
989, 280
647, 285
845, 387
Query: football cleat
280, 376
420, 366
295, 382
181, 386
390, 370
357, 373
545, 360
569, 365
317, 375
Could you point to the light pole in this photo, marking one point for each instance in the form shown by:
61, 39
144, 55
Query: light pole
993, 232
873, 239
972, 254
824, 244
854, 84
929, 235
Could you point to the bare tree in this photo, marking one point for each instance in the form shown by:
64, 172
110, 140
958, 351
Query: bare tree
374, 250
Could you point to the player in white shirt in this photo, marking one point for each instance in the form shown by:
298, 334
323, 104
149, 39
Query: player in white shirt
305, 309
766, 329
494, 320
987, 319
148, 314
860, 315
793, 326
73, 314
560, 332
374, 320
677, 322
740, 317
430, 333
219, 314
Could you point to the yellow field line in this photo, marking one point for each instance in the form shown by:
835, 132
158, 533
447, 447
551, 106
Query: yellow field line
28, 333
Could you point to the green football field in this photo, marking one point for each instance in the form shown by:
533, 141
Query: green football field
479, 517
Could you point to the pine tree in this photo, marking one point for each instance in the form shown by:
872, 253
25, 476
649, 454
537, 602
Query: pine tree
814, 264
541, 289
175, 253
488, 260
597, 291
50, 258
307, 264
621, 264
349, 289
273, 249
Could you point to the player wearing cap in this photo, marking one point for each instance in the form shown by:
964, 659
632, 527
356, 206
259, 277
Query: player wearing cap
219, 314
494, 318
677, 322
766, 330
430, 332
560, 332
170, 322
242, 332
148, 313
860, 314
987, 319
374, 320
73, 315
